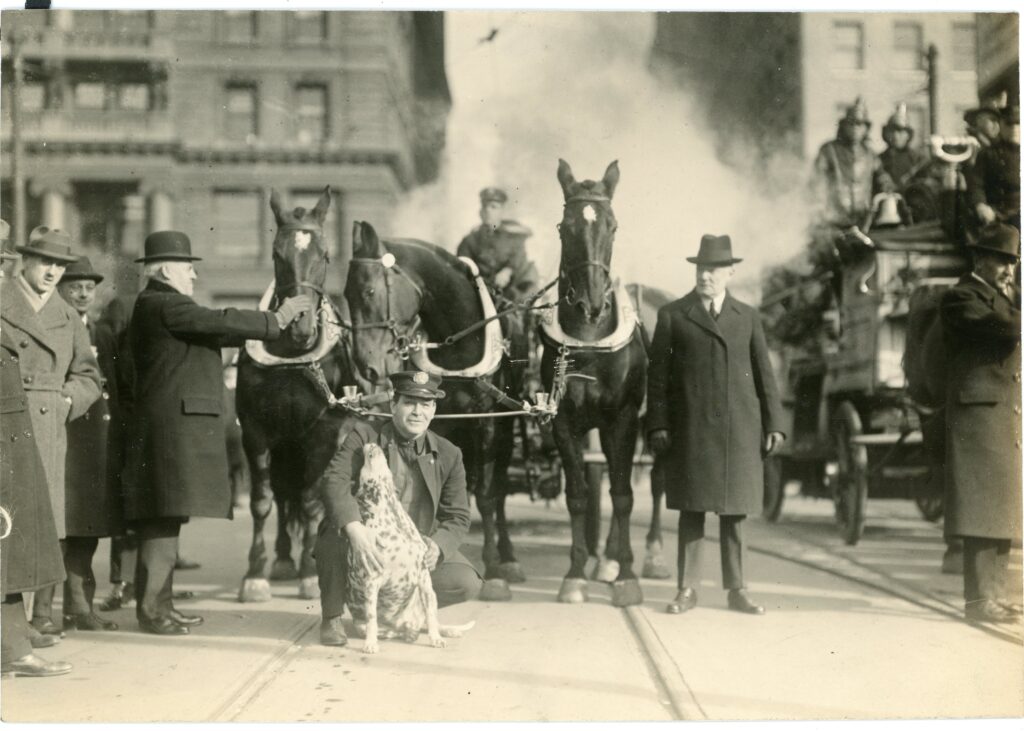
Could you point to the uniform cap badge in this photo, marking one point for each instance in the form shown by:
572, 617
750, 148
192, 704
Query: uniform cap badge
420, 378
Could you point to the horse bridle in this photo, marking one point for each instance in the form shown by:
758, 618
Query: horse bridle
570, 297
403, 333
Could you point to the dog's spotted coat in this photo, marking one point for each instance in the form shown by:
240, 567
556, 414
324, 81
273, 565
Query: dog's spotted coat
400, 600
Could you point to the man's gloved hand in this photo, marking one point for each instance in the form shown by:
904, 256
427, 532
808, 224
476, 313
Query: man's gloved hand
502, 278
660, 441
292, 308
433, 557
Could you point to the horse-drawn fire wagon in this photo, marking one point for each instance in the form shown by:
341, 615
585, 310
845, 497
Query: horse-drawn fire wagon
841, 347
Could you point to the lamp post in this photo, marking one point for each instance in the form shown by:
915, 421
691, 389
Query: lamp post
17, 148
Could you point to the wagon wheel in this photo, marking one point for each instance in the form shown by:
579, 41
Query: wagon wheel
851, 484
774, 489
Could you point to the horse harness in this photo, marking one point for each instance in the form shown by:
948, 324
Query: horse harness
563, 274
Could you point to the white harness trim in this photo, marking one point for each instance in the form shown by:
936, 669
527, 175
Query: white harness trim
493, 346
330, 334
626, 324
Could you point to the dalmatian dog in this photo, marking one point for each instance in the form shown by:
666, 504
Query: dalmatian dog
399, 601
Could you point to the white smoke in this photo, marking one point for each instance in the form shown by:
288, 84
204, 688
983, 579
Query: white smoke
577, 86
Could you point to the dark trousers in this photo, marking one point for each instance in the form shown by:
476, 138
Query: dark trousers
124, 554
154, 573
453, 583
691, 538
80, 585
986, 561
14, 630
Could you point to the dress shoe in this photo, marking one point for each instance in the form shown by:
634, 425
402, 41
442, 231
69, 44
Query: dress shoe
740, 602
33, 666
161, 626
185, 620
987, 610
46, 626
39, 641
1013, 608
89, 622
332, 632
121, 594
685, 600
183, 564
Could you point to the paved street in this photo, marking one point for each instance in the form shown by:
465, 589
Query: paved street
851, 632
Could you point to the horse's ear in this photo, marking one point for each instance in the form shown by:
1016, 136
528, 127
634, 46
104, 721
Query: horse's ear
320, 211
275, 204
611, 178
365, 243
565, 177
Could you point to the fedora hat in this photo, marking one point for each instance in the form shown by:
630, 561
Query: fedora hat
417, 383
49, 243
81, 269
999, 238
714, 251
167, 246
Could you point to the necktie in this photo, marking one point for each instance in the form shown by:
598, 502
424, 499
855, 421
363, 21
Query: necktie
712, 311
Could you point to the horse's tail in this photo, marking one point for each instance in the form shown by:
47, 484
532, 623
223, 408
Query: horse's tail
287, 470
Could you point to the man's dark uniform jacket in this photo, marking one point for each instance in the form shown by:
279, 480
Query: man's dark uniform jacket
995, 179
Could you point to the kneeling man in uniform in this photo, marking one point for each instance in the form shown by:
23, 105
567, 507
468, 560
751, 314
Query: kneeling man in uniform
713, 413
431, 484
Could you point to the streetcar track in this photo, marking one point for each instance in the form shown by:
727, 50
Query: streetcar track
264, 673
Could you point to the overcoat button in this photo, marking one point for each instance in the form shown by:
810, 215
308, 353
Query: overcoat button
14, 437
106, 417
106, 395
44, 410
28, 379
28, 435
23, 344
1016, 409
14, 359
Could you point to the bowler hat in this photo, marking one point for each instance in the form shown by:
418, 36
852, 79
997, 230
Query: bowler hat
5, 236
81, 269
417, 383
49, 243
493, 194
167, 246
999, 238
714, 251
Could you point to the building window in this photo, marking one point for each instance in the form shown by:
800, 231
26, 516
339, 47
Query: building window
240, 118
133, 97
33, 97
309, 26
965, 54
236, 223
240, 26
908, 47
308, 200
847, 45
131, 21
90, 95
311, 112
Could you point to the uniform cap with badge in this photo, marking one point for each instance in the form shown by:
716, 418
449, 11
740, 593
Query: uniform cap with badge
487, 195
419, 384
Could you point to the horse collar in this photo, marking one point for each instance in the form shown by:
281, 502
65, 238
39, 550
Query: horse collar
330, 334
626, 324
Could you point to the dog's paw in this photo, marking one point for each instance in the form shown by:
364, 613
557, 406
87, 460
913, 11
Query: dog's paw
371, 648
438, 642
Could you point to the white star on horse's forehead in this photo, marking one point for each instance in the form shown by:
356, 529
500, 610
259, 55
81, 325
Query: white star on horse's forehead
302, 240
589, 214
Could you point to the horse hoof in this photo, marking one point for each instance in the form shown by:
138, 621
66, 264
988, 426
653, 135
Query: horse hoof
607, 570
512, 572
655, 568
495, 590
309, 588
254, 590
573, 591
284, 570
627, 593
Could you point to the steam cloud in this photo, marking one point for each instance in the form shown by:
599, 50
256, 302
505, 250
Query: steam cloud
577, 86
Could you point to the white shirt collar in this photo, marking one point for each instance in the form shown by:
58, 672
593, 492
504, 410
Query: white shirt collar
719, 301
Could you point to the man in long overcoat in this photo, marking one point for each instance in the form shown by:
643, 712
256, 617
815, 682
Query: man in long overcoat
29, 552
713, 412
92, 492
177, 465
431, 483
981, 323
58, 369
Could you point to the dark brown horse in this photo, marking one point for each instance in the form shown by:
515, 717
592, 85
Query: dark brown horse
398, 288
609, 395
288, 432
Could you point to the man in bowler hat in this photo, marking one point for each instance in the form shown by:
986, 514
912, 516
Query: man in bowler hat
981, 323
58, 369
177, 464
431, 483
713, 413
